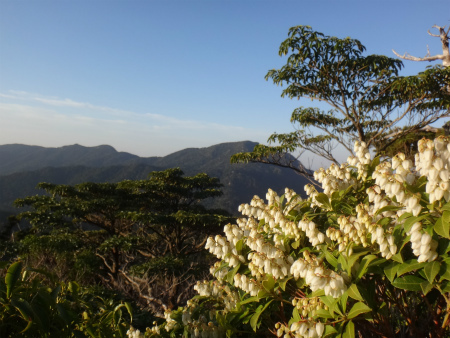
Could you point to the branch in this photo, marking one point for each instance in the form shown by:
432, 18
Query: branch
406, 56
105, 262
445, 56
146, 297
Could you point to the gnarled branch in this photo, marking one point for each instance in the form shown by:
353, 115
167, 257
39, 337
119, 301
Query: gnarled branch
445, 56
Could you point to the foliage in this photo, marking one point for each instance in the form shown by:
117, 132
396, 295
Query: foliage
368, 257
406, 143
33, 304
367, 98
119, 234
240, 182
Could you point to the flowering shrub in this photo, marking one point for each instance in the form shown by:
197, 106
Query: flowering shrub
367, 257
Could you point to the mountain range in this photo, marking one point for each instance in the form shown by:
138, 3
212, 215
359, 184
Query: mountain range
22, 167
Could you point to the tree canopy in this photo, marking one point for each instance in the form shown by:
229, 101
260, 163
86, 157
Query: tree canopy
367, 98
131, 234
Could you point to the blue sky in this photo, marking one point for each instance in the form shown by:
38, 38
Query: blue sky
154, 77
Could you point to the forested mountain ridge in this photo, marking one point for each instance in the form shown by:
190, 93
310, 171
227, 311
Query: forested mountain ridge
77, 164
19, 157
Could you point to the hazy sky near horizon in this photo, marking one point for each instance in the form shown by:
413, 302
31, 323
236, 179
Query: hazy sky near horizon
154, 77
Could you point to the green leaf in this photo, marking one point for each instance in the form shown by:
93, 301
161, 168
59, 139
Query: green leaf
130, 310
353, 258
404, 216
254, 320
295, 244
426, 287
239, 245
411, 220
282, 283
408, 266
443, 246
409, 282
445, 287
342, 263
269, 283
91, 331
364, 265
27, 327
64, 314
445, 269
349, 331
12, 276
358, 309
322, 313
317, 293
387, 208
232, 273
117, 314
250, 300
391, 271
384, 221
323, 199
331, 303
354, 293
343, 302
431, 269
397, 258
329, 330
328, 300
330, 258
442, 225
24, 308
55, 292
446, 206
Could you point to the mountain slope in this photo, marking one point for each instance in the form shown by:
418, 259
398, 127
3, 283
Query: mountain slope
240, 181
18, 157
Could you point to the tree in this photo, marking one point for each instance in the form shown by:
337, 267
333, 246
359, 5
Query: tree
146, 236
367, 98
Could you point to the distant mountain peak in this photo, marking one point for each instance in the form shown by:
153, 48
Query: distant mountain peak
24, 166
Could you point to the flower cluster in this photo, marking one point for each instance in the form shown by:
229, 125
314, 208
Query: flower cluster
220, 247
307, 328
218, 288
362, 159
266, 258
206, 288
350, 231
273, 213
422, 244
307, 307
433, 161
285, 237
311, 231
133, 333
170, 322
202, 327
317, 277
250, 285
335, 178
388, 248
218, 271
205, 325
392, 184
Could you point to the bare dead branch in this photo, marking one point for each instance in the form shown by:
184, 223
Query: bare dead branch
406, 56
445, 56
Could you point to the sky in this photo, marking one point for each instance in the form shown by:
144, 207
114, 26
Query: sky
154, 77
